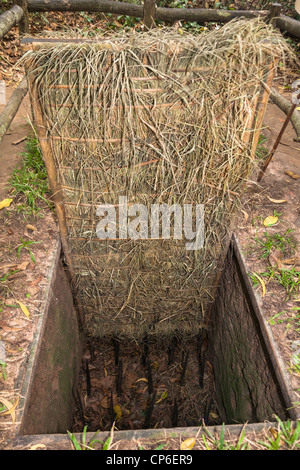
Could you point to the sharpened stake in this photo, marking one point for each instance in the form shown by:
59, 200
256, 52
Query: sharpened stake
116, 346
111, 409
145, 351
79, 403
171, 351
119, 378
202, 361
174, 417
185, 362
88, 378
149, 411
92, 352
207, 411
149, 377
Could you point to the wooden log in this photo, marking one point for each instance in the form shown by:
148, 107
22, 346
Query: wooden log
12, 107
200, 15
10, 18
285, 106
24, 22
291, 26
275, 11
149, 14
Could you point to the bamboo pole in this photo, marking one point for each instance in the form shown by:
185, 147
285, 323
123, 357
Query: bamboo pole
262, 107
52, 178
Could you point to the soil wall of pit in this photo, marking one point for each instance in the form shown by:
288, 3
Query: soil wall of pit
247, 378
49, 402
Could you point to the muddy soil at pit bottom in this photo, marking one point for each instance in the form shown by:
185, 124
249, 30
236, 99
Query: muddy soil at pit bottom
119, 382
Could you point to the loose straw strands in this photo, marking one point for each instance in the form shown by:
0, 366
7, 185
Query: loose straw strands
158, 117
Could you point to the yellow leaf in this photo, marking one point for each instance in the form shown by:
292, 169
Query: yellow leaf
31, 227
277, 201
10, 408
188, 444
24, 308
291, 174
5, 203
213, 415
163, 396
246, 215
118, 412
262, 283
271, 220
143, 379
37, 446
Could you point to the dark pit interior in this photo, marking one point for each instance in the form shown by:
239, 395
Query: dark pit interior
225, 374
158, 384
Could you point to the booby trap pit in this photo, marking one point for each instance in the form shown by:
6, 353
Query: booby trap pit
170, 121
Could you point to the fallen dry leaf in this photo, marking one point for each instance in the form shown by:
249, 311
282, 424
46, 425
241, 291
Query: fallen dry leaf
262, 283
23, 265
246, 215
291, 174
37, 446
271, 220
277, 201
188, 444
36, 281
5, 203
10, 408
31, 227
274, 258
24, 308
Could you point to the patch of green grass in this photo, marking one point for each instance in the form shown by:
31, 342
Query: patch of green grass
29, 181
287, 278
213, 443
290, 318
286, 437
3, 366
25, 244
84, 445
261, 150
284, 243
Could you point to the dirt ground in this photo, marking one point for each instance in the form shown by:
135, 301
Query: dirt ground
29, 283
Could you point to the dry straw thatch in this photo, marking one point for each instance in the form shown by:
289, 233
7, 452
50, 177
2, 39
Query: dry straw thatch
158, 117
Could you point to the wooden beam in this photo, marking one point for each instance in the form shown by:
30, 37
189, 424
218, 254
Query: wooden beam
12, 107
10, 18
